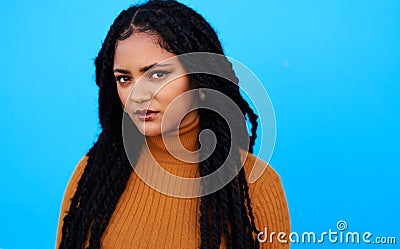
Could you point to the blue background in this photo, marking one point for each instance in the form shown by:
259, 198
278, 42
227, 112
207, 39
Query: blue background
331, 68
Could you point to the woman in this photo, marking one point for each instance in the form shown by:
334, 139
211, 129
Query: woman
109, 204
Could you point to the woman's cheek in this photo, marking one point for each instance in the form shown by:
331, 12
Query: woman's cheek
123, 96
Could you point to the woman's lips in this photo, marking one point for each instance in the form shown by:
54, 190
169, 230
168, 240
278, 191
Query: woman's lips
146, 114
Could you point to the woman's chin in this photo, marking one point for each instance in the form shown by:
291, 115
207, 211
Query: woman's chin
150, 131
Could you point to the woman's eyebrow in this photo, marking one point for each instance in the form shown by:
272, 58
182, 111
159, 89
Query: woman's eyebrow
119, 70
154, 65
143, 69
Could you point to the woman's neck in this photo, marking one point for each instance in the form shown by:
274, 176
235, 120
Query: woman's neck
176, 147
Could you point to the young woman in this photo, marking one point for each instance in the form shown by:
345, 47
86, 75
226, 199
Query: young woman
109, 202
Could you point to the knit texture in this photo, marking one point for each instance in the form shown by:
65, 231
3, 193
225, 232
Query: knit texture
147, 218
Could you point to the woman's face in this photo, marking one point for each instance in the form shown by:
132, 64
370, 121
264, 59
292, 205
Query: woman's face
145, 87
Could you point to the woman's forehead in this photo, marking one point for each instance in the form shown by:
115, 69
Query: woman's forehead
140, 51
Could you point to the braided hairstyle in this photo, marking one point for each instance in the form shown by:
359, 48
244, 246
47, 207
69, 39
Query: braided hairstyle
226, 213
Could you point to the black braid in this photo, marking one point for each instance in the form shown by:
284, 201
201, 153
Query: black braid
226, 214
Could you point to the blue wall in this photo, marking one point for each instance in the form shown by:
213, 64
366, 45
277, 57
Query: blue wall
331, 68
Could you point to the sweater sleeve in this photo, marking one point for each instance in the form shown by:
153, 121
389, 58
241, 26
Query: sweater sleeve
271, 211
68, 194
268, 201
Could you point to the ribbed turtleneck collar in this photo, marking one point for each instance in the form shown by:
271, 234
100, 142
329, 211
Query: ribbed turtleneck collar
189, 139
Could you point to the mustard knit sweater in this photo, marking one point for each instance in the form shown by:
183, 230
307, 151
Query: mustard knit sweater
146, 218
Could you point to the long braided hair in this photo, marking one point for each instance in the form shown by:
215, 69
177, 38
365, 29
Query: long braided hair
226, 213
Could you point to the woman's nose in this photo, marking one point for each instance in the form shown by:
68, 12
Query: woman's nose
140, 92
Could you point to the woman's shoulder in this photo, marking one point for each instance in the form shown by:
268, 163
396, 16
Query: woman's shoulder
75, 177
69, 192
78, 171
74, 180
268, 199
257, 171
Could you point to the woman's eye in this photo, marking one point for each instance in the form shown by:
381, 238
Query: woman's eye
122, 79
158, 75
